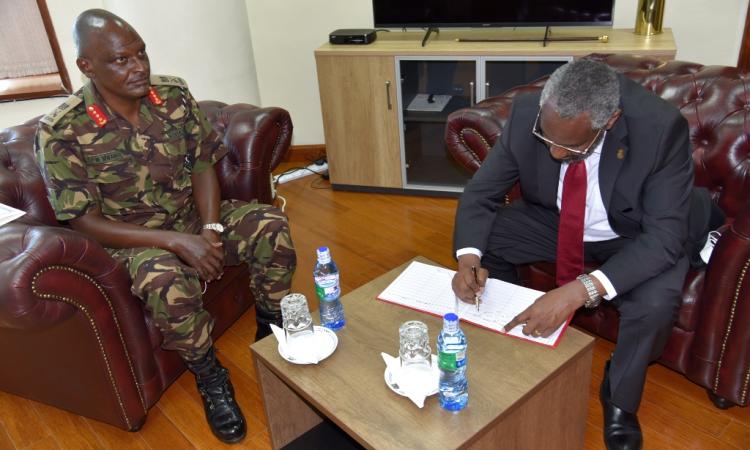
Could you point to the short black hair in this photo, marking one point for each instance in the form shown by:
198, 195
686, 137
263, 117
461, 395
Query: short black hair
90, 23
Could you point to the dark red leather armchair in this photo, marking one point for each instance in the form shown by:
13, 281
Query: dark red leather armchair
710, 342
71, 333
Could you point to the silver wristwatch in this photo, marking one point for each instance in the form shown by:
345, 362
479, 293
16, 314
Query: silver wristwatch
217, 227
594, 297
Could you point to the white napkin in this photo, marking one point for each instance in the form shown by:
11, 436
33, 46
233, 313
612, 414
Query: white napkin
416, 384
303, 351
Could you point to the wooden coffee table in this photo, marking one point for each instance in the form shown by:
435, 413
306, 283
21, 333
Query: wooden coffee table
521, 395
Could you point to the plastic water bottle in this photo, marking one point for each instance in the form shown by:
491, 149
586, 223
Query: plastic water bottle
451, 345
327, 287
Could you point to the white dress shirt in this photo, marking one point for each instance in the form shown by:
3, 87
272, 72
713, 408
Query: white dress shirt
595, 224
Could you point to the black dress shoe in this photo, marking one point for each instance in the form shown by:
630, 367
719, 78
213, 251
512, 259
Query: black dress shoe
621, 428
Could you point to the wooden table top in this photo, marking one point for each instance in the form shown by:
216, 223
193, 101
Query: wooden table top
349, 388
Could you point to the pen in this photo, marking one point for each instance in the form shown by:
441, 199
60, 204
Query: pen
476, 280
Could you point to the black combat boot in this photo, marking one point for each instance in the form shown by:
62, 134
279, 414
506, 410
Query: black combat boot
222, 411
264, 319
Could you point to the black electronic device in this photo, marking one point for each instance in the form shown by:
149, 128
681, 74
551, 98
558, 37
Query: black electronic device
352, 36
491, 13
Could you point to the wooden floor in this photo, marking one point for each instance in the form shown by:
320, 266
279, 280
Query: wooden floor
368, 234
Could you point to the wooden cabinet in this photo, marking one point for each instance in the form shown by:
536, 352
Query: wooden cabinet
358, 100
374, 138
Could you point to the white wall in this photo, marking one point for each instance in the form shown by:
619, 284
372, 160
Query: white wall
285, 33
706, 31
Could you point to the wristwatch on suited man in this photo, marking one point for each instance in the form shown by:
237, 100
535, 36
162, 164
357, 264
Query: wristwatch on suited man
594, 297
217, 227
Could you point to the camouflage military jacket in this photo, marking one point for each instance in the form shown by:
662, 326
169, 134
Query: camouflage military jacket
90, 156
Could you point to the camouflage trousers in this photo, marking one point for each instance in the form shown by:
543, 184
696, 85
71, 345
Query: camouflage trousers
255, 234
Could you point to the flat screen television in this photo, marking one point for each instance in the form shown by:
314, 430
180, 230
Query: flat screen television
491, 13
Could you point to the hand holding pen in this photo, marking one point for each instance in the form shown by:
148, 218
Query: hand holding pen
468, 282
477, 300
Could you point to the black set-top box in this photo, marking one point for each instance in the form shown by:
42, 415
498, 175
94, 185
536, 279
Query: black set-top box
352, 36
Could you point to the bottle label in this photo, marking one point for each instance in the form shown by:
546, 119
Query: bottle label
327, 287
451, 362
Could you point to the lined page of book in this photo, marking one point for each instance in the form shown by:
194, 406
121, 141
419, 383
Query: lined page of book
428, 289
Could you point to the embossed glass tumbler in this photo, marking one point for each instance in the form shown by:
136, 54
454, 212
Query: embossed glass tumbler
414, 344
296, 317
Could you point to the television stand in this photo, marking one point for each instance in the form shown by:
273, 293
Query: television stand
375, 142
547, 38
428, 33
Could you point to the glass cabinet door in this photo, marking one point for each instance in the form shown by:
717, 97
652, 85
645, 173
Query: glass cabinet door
430, 90
501, 75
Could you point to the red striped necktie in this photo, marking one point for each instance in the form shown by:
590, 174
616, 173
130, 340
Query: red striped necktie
570, 230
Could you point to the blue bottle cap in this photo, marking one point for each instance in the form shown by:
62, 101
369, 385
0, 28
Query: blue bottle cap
450, 317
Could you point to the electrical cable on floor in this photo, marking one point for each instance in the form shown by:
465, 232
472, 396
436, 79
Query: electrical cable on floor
315, 184
297, 169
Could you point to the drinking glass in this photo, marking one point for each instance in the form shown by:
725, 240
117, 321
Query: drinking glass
296, 317
414, 348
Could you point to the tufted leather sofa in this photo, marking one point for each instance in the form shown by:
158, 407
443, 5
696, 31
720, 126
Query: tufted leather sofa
71, 333
710, 341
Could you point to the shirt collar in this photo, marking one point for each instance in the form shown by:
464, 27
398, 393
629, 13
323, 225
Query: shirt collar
91, 97
596, 152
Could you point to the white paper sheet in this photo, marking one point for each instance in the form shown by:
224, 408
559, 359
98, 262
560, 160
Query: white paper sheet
428, 288
421, 102
8, 214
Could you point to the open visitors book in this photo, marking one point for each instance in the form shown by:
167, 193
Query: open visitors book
428, 289
8, 214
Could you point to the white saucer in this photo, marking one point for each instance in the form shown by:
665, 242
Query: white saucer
323, 340
432, 376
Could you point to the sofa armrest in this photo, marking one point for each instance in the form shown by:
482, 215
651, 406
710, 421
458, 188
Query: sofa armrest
720, 354
257, 140
67, 318
39, 264
471, 132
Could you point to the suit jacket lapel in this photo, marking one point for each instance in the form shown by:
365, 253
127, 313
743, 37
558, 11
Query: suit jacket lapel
548, 171
614, 152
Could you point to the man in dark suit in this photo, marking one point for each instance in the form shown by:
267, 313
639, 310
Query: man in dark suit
624, 204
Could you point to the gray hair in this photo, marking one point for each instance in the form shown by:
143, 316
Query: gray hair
583, 86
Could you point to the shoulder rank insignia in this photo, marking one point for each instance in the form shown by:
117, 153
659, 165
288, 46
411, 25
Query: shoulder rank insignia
97, 115
153, 96
52, 118
168, 80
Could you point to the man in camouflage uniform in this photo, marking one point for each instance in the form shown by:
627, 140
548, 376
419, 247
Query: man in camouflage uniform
128, 160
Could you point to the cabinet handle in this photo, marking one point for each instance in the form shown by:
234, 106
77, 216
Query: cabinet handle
487, 90
388, 94
471, 93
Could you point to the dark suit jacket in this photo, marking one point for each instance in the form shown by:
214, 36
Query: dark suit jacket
645, 177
